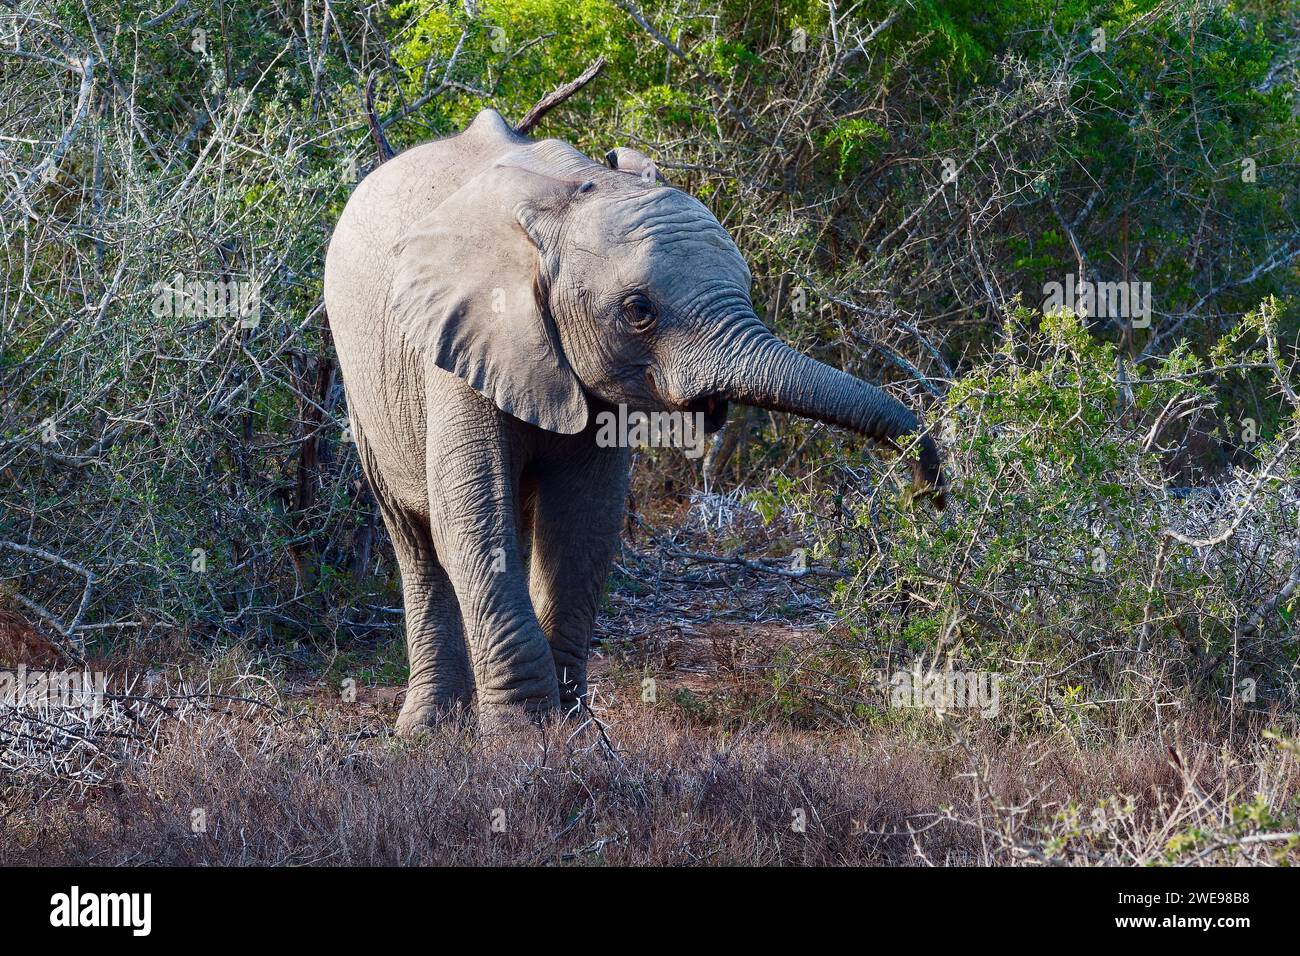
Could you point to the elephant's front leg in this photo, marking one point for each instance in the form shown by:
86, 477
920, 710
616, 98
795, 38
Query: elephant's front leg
580, 506
473, 506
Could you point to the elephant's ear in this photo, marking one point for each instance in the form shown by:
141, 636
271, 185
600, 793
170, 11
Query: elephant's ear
628, 160
468, 293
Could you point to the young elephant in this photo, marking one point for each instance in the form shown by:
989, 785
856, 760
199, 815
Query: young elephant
489, 295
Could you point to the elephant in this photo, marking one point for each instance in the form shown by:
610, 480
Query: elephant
489, 296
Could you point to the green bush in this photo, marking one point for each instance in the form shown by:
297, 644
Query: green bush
1068, 560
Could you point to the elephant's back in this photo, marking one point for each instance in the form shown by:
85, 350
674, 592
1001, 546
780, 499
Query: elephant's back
384, 377
389, 201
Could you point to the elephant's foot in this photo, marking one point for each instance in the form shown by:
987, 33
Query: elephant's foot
507, 718
573, 690
425, 709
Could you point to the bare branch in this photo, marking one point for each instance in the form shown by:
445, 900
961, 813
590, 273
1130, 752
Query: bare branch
558, 96
19, 193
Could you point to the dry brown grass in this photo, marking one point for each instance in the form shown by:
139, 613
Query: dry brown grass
331, 786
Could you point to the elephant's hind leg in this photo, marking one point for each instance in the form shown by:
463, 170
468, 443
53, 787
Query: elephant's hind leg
441, 683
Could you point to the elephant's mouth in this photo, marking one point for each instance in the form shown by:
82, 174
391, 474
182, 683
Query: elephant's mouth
712, 407
714, 410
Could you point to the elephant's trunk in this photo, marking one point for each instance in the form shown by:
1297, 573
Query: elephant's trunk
761, 370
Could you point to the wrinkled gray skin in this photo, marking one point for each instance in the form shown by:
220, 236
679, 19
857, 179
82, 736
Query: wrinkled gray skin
489, 294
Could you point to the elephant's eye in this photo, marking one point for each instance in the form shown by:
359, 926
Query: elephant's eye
640, 312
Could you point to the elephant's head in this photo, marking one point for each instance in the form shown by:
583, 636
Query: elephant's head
548, 281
